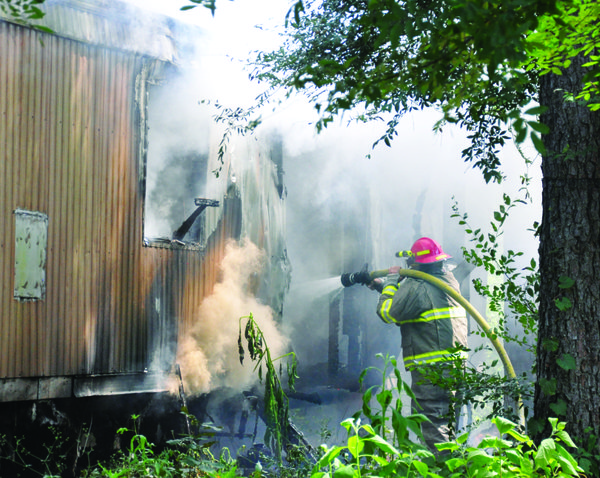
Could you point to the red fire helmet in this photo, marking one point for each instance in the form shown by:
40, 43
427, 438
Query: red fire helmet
426, 250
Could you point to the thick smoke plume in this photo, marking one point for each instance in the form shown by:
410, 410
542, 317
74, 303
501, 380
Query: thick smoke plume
208, 355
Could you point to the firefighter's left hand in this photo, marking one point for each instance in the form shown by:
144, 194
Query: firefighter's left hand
376, 284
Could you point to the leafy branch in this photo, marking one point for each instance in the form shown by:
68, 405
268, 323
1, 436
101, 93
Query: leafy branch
25, 12
237, 120
276, 401
519, 288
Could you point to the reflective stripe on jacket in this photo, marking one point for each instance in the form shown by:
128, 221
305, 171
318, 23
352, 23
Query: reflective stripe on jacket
432, 324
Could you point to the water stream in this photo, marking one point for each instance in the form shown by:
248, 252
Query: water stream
318, 288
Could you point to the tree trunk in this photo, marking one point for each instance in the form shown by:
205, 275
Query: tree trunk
568, 354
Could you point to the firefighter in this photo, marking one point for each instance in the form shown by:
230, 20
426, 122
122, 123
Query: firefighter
433, 327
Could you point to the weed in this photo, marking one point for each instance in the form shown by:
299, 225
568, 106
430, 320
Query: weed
276, 402
47, 458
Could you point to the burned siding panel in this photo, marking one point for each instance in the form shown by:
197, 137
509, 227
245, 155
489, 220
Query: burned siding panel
70, 139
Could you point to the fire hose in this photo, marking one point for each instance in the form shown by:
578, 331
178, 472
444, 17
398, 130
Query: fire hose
365, 277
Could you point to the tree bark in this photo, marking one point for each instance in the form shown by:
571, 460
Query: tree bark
568, 354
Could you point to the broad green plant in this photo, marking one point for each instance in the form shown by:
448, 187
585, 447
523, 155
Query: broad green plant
372, 450
366, 453
382, 405
512, 454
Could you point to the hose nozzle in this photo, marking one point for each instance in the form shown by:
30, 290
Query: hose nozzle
350, 278
363, 277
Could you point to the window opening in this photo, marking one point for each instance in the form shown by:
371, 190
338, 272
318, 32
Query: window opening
176, 169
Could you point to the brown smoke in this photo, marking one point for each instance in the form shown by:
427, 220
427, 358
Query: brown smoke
208, 355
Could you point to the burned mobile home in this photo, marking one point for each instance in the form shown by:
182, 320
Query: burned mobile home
94, 298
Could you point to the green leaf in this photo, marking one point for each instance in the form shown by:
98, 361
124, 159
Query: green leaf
383, 445
447, 446
545, 452
521, 131
421, 467
503, 425
565, 282
567, 465
348, 424
563, 303
454, 463
519, 436
536, 110
355, 445
479, 457
539, 127
560, 407
346, 471
550, 344
384, 398
329, 457
369, 429
566, 362
566, 438
538, 143
548, 386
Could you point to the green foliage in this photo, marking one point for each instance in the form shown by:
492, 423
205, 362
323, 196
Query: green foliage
189, 456
25, 12
236, 121
513, 299
519, 288
560, 39
22, 9
275, 399
372, 449
210, 4
137, 460
386, 417
514, 454
477, 61
483, 388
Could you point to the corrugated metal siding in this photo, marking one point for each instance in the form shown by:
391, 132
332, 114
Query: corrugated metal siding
71, 138
112, 24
